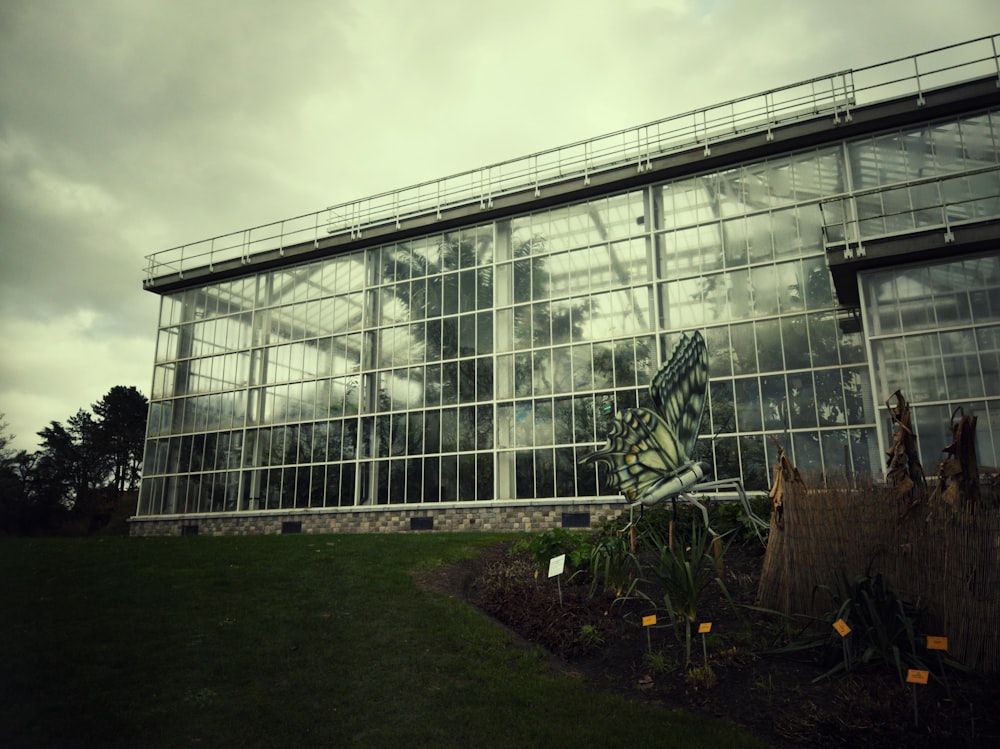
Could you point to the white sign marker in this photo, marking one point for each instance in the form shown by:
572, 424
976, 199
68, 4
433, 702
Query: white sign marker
557, 565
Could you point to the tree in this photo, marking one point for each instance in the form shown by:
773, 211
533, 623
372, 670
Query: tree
30, 495
6, 451
11, 496
72, 460
79, 469
122, 431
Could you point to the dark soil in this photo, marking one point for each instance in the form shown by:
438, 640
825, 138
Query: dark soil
777, 698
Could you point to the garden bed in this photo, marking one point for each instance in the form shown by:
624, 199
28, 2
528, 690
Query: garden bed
733, 673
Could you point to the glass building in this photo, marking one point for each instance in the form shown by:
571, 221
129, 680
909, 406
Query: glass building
462, 351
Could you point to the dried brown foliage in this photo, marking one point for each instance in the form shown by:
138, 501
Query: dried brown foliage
958, 475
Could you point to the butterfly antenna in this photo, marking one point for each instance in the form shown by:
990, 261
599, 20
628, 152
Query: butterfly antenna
722, 428
632, 521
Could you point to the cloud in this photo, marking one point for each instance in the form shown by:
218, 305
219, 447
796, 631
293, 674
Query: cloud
63, 364
128, 127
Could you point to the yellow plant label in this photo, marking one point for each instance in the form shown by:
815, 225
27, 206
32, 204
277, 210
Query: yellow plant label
913, 676
937, 643
649, 621
842, 629
704, 628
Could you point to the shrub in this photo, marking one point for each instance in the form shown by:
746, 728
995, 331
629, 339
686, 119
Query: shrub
683, 573
883, 630
613, 566
551, 543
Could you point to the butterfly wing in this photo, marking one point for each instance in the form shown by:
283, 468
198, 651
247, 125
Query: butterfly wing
678, 390
642, 451
647, 453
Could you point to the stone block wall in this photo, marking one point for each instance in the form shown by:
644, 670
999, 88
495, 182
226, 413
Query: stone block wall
494, 517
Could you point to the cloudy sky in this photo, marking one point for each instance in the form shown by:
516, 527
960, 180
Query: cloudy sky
132, 126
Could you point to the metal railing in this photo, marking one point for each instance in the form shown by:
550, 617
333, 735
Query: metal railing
938, 202
832, 96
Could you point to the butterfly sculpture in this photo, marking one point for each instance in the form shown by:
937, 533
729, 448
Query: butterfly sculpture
650, 454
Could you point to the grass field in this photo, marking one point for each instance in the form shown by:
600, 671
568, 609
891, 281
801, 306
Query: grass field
282, 641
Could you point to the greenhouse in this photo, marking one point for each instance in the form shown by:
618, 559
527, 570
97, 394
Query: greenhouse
443, 356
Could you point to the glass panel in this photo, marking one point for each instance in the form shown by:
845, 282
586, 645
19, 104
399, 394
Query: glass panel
795, 341
544, 474
850, 346
759, 238
586, 475
806, 451
562, 370
522, 374
432, 486
604, 414
755, 466
836, 453
449, 430
739, 297
726, 454
484, 428
857, 396
522, 280
583, 419
734, 233
720, 359
382, 482
467, 428
565, 472
830, 397
748, 415
823, 336
603, 365
624, 363
449, 294
685, 302
467, 380
933, 427
542, 372
484, 332
525, 474
766, 290
773, 402
789, 286
744, 348
225, 496
988, 342
962, 368
563, 420
865, 452
925, 367
801, 400
449, 383
407, 485
721, 408
484, 379
544, 430
484, 477
467, 477
468, 283
528, 432
645, 360
769, 356
522, 327
819, 289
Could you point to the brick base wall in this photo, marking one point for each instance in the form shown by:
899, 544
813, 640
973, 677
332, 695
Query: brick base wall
514, 517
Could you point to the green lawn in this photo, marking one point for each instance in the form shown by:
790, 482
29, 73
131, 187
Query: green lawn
283, 641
